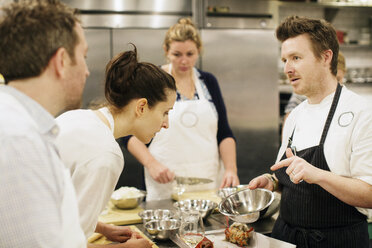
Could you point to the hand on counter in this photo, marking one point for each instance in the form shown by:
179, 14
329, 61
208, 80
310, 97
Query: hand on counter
114, 233
137, 241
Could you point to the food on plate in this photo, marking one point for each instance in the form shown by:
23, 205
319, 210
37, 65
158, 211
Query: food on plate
126, 192
205, 243
239, 233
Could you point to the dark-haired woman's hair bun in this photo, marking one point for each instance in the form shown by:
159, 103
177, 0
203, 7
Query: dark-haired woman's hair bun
128, 79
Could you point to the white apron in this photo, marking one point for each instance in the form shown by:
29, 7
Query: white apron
188, 147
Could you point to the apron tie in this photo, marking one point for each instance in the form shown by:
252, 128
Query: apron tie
315, 235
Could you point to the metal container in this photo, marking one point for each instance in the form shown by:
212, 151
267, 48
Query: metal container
162, 229
156, 214
246, 206
128, 202
205, 207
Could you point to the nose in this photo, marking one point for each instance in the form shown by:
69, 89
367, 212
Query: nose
165, 123
184, 60
87, 72
288, 68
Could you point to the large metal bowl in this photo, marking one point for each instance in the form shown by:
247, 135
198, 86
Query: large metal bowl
205, 207
247, 205
128, 202
225, 192
162, 229
156, 214
274, 206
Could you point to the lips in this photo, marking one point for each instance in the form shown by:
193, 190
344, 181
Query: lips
294, 80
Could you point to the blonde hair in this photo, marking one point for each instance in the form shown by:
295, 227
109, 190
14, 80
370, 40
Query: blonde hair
341, 62
183, 30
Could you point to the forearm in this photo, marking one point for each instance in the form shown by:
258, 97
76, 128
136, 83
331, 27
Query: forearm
227, 149
352, 191
140, 151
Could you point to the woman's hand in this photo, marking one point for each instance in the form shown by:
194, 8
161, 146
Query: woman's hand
230, 178
160, 173
114, 233
137, 241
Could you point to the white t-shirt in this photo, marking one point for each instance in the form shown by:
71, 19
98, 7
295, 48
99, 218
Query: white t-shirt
348, 145
88, 148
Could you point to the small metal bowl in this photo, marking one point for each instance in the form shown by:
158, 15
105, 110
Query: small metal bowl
128, 203
205, 207
156, 214
246, 206
162, 229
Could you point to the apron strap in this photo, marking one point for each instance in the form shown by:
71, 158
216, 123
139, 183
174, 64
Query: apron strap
290, 139
106, 113
197, 84
331, 113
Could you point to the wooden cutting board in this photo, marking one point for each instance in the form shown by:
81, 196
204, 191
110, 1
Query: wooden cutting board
99, 239
120, 217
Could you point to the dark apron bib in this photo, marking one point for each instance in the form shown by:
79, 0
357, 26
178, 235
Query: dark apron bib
312, 217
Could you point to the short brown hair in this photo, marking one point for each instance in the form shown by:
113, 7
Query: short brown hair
128, 79
183, 30
321, 33
31, 32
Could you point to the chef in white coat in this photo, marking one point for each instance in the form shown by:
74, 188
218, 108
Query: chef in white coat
199, 141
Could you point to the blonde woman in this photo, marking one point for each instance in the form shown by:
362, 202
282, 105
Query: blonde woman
199, 135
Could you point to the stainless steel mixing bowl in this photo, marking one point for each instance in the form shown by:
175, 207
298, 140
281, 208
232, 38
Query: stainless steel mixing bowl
205, 207
246, 206
156, 214
162, 229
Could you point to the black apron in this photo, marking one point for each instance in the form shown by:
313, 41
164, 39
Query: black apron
310, 216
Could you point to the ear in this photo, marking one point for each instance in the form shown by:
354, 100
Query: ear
58, 62
327, 56
165, 49
141, 106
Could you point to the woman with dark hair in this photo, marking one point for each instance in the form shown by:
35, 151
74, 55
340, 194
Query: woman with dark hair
139, 97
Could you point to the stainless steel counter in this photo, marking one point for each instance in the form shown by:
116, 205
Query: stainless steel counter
214, 222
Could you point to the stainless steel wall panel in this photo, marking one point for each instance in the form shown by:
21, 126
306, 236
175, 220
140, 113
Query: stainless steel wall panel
132, 5
128, 21
245, 64
260, 14
98, 55
148, 42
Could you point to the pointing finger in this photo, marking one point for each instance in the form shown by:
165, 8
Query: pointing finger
284, 163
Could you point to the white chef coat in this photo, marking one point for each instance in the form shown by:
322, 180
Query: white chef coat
188, 147
88, 148
348, 146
